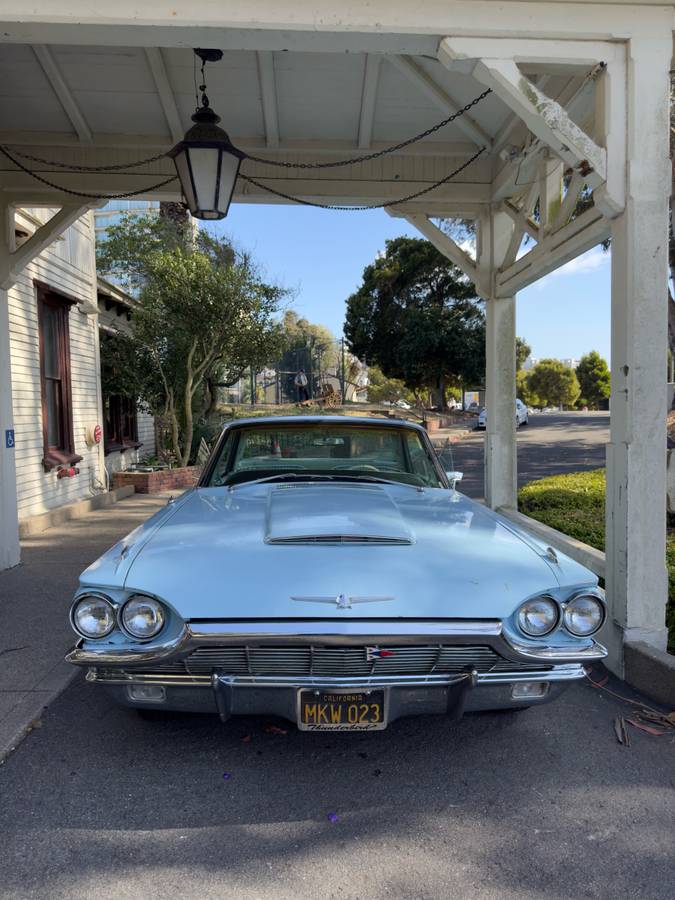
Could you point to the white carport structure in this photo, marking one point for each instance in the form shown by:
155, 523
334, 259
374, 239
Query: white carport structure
579, 99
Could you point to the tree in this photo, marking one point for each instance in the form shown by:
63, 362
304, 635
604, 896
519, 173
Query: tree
382, 389
523, 350
594, 379
418, 318
554, 383
193, 318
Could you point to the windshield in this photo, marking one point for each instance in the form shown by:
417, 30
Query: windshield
323, 451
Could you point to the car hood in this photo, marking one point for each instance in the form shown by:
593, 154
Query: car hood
289, 551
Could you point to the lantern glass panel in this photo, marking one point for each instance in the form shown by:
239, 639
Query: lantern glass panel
229, 170
183, 169
204, 164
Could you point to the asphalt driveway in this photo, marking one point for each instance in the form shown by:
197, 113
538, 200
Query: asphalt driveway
552, 444
539, 804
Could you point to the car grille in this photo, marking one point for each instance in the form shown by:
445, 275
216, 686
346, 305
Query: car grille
340, 662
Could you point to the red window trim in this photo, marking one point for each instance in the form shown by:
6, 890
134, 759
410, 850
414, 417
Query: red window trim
65, 455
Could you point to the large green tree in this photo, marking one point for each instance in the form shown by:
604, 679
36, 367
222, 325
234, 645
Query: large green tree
553, 383
594, 379
418, 318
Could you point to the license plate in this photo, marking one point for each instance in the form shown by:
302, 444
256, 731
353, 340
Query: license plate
341, 710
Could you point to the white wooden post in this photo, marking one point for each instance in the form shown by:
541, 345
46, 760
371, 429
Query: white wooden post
636, 454
9, 524
495, 233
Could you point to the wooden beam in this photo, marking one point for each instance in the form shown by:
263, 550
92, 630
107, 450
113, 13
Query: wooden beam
368, 100
569, 202
582, 234
514, 120
17, 260
521, 220
417, 76
63, 93
268, 97
543, 116
165, 92
447, 247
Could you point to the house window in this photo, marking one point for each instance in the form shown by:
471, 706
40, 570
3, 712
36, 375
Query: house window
57, 416
121, 428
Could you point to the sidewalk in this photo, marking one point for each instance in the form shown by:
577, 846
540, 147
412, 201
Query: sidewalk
34, 601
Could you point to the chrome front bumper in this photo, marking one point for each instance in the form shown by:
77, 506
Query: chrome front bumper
258, 694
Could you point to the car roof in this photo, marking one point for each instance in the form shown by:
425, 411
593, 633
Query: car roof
324, 420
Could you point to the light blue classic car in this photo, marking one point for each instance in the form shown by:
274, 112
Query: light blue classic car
327, 570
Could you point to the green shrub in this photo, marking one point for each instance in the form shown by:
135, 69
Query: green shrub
575, 505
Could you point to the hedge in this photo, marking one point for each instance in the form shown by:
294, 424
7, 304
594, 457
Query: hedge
575, 505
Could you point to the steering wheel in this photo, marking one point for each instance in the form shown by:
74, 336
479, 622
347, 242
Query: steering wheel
365, 466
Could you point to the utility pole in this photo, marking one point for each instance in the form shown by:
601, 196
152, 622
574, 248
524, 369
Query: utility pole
252, 386
343, 383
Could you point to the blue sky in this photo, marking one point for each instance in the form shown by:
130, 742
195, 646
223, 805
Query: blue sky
320, 255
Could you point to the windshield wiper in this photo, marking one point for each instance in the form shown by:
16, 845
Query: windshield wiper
313, 476
278, 477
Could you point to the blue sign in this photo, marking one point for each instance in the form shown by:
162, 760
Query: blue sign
9, 438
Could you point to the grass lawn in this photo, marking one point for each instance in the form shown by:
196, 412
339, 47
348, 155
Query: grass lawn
575, 505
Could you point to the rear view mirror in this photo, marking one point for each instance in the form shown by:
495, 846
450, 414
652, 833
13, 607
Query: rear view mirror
454, 477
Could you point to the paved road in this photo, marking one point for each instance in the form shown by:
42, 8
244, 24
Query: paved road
552, 444
540, 804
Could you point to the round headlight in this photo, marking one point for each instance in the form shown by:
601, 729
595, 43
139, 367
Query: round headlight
538, 616
93, 616
142, 617
583, 615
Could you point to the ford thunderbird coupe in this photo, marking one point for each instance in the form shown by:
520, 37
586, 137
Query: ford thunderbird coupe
327, 570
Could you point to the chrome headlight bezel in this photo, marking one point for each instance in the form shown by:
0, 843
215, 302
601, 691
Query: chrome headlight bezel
153, 603
552, 605
575, 598
104, 599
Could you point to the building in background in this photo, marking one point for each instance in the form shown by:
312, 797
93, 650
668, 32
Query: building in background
128, 429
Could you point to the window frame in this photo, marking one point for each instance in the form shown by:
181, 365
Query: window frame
54, 456
117, 442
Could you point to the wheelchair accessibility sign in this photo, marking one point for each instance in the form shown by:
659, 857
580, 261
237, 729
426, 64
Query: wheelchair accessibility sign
9, 438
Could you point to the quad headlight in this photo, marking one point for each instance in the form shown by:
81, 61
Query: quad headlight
93, 616
583, 615
142, 617
538, 616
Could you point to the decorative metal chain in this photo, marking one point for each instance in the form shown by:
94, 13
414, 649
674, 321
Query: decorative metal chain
116, 168
405, 199
120, 167
378, 153
271, 162
65, 190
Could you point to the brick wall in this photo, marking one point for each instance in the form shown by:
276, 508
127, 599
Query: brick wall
156, 482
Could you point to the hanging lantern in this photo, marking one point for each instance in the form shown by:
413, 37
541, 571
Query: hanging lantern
207, 163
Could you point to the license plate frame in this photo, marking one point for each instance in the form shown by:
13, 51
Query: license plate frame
343, 700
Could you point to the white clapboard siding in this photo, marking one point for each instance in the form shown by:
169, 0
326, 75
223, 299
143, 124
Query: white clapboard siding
68, 266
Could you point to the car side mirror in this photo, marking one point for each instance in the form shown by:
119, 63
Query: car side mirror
454, 477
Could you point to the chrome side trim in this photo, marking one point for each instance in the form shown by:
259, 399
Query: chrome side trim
559, 673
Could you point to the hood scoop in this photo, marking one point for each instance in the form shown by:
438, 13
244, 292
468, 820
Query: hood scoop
334, 514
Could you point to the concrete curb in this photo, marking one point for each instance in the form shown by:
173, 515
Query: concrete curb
650, 671
35, 524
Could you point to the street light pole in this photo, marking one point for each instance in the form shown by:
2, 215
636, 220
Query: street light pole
343, 384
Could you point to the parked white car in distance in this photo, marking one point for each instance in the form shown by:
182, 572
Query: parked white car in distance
522, 415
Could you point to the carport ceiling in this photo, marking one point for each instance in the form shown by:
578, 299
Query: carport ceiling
100, 105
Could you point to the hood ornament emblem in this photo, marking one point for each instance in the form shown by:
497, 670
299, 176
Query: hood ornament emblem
342, 601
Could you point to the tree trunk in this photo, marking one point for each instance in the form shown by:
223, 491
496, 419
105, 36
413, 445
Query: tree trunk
438, 394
